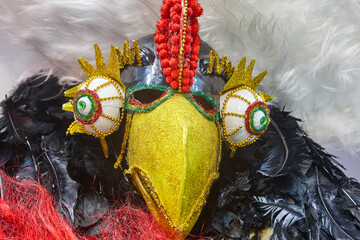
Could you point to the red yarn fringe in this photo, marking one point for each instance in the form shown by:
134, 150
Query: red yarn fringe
27, 212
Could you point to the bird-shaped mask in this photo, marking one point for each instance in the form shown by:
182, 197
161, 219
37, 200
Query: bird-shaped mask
173, 136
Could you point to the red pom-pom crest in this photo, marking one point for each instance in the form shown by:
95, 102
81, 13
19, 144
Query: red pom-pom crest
178, 42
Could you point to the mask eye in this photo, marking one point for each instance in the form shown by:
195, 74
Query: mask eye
87, 106
147, 96
205, 103
257, 118
97, 106
245, 116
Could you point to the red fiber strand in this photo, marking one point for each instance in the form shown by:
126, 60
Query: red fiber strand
27, 213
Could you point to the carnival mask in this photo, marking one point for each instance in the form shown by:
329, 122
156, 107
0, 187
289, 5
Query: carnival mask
173, 93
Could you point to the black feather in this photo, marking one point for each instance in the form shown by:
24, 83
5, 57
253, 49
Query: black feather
277, 154
334, 219
228, 223
281, 212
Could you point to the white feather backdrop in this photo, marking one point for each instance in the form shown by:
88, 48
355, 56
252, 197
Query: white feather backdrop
311, 49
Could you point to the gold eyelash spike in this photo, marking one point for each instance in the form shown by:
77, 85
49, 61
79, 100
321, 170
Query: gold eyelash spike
113, 67
128, 59
99, 59
68, 106
137, 52
127, 56
267, 97
112, 71
89, 69
72, 91
256, 80
218, 66
75, 128
250, 68
242, 76
104, 147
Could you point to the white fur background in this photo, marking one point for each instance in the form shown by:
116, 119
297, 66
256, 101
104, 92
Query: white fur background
311, 50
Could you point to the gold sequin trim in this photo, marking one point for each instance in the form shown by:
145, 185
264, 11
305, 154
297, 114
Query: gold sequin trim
234, 114
233, 132
110, 118
111, 98
101, 86
181, 55
124, 143
242, 98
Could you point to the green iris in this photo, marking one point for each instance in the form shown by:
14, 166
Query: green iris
263, 121
85, 106
260, 124
81, 105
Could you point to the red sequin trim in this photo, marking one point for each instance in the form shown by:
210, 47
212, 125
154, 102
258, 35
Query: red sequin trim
248, 114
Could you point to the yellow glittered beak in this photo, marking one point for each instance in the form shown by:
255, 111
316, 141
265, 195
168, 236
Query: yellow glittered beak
173, 157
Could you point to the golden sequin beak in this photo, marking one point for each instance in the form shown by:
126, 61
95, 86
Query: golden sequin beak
173, 156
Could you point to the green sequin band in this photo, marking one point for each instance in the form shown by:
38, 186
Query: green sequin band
263, 126
212, 116
134, 105
131, 104
92, 109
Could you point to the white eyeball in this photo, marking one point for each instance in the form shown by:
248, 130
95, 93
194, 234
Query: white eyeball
245, 116
97, 106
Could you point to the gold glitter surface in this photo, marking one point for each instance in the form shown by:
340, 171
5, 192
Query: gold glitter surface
75, 128
217, 66
127, 56
72, 91
174, 151
112, 71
